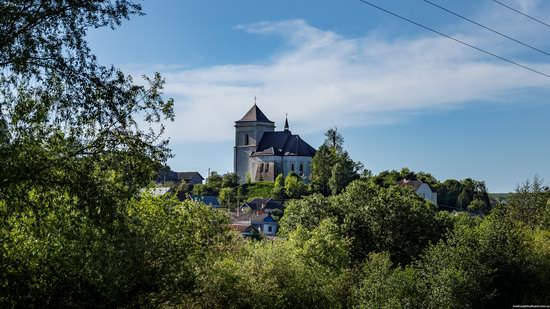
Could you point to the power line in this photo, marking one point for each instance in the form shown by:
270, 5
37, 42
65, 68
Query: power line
485, 27
456, 40
521, 13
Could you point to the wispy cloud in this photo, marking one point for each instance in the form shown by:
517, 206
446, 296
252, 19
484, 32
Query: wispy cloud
324, 79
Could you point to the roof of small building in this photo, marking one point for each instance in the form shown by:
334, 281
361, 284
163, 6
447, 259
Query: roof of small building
256, 219
188, 175
283, 143
263, 203
415, 184
254, 114
176, 176
206, 199
159, 191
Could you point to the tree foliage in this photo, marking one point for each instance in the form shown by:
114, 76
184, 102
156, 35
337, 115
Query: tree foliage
333, 168
294, 186
278, 192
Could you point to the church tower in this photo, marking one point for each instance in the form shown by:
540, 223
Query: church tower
248, 133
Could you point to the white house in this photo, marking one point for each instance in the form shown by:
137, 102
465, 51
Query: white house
422, 189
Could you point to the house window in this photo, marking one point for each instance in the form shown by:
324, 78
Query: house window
269, 229
301, 168
246, 139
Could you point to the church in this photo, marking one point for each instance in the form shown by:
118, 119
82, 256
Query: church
262, 153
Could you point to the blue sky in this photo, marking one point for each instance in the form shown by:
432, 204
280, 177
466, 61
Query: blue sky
401, 96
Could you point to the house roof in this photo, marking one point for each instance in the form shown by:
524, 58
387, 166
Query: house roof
206, 199
188, 175
256, 219
158, 191
263, 203
283, 143
254, 114
176, 176
415, 184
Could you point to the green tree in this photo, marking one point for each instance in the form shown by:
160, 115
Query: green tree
230, 180
278, 192
66, 118
228, 198
343, 172
294, 186
383, 285
529, 204
334, 140
56, 256
307, 212
332, 167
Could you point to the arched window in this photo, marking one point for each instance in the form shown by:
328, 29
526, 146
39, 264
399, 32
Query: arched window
246, 139
292, 167
266, 169
261, 167
301, 168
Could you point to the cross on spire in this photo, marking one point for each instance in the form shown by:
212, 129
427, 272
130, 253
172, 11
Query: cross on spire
255, 100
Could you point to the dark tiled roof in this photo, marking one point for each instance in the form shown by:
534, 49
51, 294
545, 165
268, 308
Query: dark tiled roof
176, 176
263, 203
283, 143
254, 114
188, 175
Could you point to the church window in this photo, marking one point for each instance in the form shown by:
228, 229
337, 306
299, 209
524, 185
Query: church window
266, 168
246, 139
301, 168
261, 167
292, 167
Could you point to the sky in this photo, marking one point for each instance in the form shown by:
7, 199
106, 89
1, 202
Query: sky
400, 95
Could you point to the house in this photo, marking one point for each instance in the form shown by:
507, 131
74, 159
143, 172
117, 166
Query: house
191, 178
248, 224
265, 224
261, 206
207, 200
262, 153
421, 188
246, 230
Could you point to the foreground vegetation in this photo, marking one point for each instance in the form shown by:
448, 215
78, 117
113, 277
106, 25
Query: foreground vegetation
370, 246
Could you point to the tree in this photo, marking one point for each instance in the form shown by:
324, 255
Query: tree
322, 163
278, 192
230, 180
530, 203
228, 197
333, 139
67, 122
294, 186
448, 193
332, 167
343, 172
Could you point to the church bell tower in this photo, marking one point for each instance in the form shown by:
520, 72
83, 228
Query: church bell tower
248, 133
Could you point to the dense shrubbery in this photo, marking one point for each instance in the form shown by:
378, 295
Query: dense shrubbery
370, 247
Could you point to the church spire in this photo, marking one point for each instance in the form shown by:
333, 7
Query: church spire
286, 123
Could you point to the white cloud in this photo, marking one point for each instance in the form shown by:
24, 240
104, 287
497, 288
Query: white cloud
324, 79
